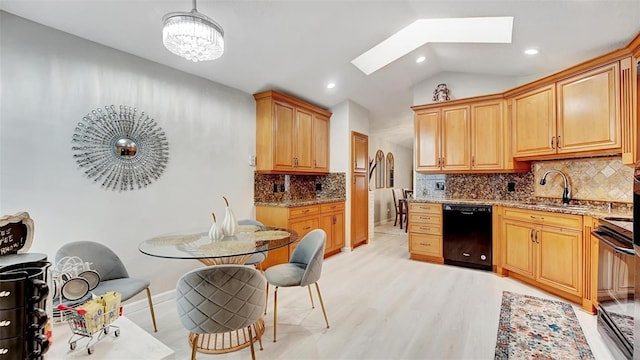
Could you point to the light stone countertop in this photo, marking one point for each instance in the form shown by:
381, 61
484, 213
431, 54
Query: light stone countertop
296, 203
556, 208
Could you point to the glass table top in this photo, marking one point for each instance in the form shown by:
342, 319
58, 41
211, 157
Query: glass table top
248, 240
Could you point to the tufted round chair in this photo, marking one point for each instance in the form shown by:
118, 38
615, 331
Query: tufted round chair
219, 299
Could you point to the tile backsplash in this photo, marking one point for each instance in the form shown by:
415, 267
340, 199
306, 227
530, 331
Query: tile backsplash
298, 187
603, 179
596, 179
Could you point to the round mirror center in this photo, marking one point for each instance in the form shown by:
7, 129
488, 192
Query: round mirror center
126, 148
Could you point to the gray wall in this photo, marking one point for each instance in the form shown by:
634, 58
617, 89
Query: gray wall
50, 80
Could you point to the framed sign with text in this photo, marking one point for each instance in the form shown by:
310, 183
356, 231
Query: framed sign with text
16, 233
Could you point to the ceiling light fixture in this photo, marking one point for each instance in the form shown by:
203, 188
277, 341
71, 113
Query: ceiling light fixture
421, 59
192, 35
331, 85
531, 51
420, 32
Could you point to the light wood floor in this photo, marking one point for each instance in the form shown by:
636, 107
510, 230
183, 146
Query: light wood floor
381, 305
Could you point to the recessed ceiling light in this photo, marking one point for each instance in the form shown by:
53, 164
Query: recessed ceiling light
531, 51
331, 85
420, 59
420, 32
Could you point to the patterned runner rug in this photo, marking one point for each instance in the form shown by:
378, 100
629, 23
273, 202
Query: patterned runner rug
535, 328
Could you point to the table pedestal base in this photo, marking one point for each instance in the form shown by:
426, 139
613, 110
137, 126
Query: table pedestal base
226, 342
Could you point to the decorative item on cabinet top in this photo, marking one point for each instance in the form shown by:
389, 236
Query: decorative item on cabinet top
122, 148
441, 93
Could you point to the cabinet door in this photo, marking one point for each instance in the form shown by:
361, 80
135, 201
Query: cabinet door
486, 136
320, 143
589, 111
302, 227
456, 131
326, 224
517, 247
559, 258
283, 133
360, 149
534, 122
337, 234
359, 210
333, 225
427, 141
303, 150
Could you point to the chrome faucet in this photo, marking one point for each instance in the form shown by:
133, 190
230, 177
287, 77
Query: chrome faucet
566, 194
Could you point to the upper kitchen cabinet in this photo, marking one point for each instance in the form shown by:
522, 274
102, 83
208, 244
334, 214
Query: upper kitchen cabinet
534, 122
462, 136
573, 113
292, 136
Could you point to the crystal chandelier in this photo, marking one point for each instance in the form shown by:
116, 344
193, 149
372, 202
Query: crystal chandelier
192, 35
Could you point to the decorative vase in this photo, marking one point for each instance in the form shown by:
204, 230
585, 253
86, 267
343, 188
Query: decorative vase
229, 224
215, 233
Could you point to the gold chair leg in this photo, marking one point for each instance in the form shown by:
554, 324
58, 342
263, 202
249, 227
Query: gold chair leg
322, 304
253, 352
266, 301
258, 335
311, 296
193, 346
153, 314
275, 313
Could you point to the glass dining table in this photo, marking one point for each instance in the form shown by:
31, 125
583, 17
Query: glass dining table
235, 249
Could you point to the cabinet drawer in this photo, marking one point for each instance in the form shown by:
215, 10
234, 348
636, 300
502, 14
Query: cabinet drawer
544, 218
433, 229
425, 208
425, 244
300, 211
336, 206
425, 219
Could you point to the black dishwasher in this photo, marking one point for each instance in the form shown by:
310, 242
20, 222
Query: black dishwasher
467, 235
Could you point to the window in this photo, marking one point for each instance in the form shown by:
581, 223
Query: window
379, 169
390, 170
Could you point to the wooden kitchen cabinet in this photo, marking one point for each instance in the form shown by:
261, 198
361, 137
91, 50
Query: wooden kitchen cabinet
468, 136
534, 122
332, 222
303, 219
292, 136
575, 116
425, 232
544, 248
589, 110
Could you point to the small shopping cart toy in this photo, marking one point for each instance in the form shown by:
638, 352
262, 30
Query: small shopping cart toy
93, 318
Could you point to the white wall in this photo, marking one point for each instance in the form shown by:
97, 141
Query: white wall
50, 80
462, 85
346, 117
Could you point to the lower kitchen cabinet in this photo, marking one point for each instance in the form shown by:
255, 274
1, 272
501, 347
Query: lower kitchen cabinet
425, 232
332, 222
547, 250
303, 219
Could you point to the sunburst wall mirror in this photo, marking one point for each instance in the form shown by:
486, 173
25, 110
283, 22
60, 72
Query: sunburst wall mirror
121, 149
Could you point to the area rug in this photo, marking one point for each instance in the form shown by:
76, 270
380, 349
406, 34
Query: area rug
535, 328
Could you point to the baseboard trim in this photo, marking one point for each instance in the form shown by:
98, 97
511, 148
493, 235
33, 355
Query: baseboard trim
143, 303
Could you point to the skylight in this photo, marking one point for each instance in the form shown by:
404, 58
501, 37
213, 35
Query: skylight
451, 30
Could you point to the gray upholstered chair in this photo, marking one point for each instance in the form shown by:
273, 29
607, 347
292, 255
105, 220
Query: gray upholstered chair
257, 258
113, 274
303, 269
219, 299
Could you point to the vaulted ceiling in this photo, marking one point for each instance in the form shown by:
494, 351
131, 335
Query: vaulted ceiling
300, 46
